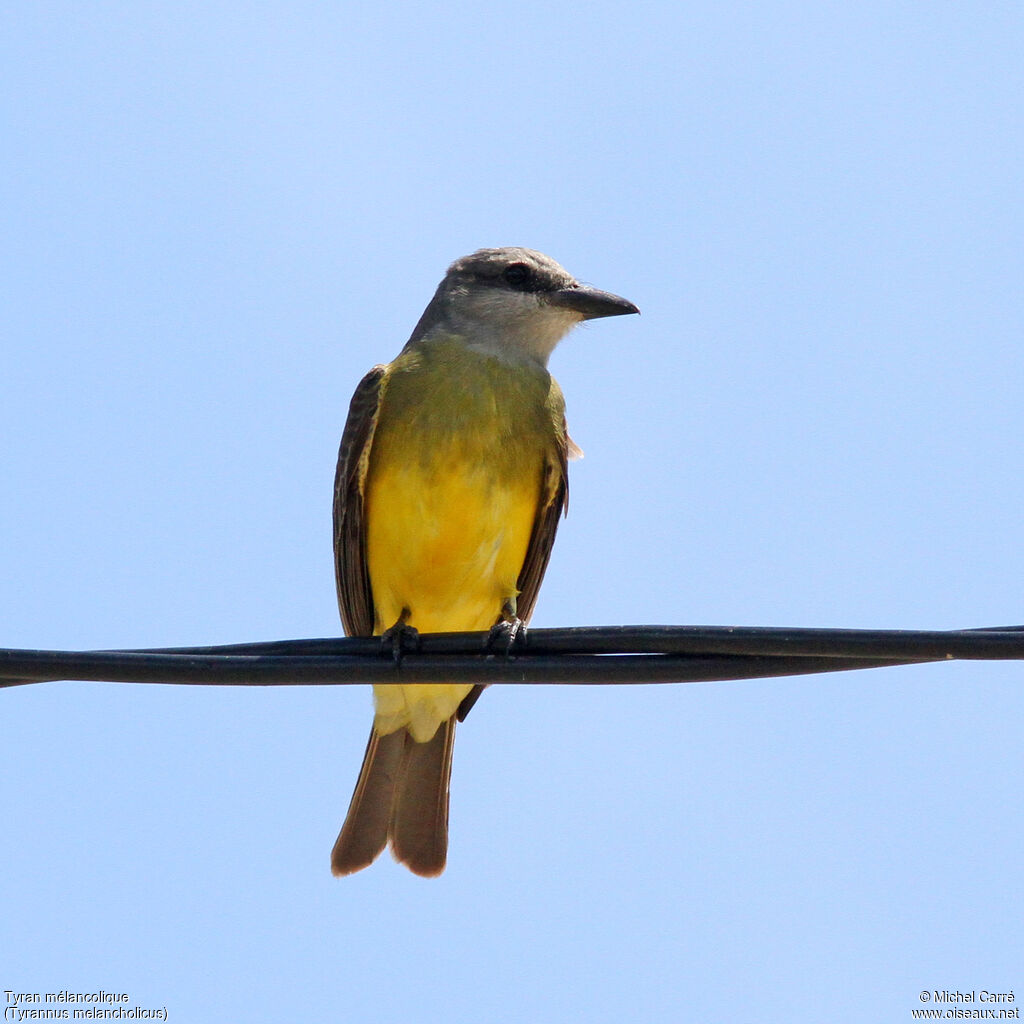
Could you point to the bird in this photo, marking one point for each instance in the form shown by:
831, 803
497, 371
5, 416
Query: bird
452, 477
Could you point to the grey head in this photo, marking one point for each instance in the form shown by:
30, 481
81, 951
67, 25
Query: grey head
513, 303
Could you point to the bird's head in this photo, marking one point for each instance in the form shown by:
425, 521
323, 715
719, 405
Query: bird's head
515, 303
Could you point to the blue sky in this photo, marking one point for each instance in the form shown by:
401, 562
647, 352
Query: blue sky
217, 216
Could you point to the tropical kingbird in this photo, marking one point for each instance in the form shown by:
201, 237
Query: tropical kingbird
451, 479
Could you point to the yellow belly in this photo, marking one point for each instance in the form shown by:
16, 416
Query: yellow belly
448, 520
447, 545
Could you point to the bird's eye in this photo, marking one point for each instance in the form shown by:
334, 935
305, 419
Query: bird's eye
518, 275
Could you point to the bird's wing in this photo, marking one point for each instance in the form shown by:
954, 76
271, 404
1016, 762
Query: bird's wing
355, 598
554, 503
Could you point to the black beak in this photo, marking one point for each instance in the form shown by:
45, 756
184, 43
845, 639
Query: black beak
591, 303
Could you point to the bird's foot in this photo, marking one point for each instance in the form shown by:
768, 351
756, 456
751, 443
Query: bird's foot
505, 635
400, 638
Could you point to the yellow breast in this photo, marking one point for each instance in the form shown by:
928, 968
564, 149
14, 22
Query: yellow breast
452, 489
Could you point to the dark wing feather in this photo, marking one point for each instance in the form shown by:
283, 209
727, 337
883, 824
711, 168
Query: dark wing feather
355, 598
553, 505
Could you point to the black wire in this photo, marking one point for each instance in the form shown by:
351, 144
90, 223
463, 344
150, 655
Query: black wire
586, 654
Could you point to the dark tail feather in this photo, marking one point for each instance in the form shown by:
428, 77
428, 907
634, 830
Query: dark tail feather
419, 811
365, 831
401, 795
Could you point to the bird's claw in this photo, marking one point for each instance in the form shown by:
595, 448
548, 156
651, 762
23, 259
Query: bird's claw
399, 639
505, 635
